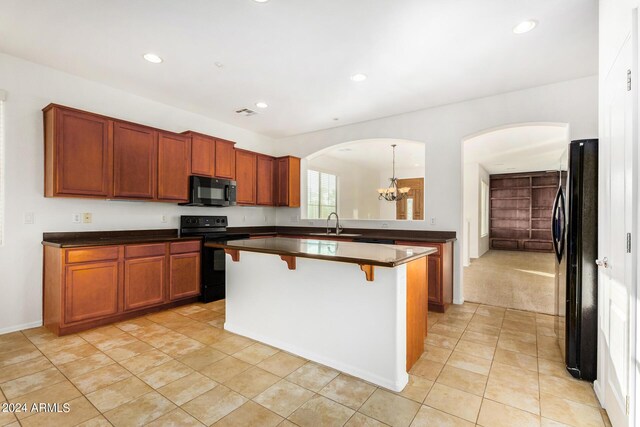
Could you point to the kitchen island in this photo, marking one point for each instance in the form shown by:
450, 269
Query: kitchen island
360, 308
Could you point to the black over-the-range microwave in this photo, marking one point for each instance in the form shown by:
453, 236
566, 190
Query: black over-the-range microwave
205, 191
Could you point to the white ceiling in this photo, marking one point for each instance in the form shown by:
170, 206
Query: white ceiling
298, 55
376, 154
526, 148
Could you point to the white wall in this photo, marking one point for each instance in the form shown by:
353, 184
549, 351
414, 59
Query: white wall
442, 129
355, 184
31, 87
474, 174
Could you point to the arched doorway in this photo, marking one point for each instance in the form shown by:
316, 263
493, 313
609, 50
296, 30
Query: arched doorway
509, 175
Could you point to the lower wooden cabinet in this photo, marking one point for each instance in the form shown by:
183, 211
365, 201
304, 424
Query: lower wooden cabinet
90, 286
90, 291
184, 275
144, 282
440, 273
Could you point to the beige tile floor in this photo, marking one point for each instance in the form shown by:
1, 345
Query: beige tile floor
513, 279
483, 365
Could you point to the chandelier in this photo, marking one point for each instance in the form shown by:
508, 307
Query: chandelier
393, 193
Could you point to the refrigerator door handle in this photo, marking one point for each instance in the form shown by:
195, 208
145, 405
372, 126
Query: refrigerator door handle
558, 224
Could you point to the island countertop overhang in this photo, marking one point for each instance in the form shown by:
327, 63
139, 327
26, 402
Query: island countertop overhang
380, 255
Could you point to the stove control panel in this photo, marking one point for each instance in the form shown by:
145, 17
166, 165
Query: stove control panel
187, 221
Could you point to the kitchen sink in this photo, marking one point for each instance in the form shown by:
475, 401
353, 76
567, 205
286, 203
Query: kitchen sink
335, 235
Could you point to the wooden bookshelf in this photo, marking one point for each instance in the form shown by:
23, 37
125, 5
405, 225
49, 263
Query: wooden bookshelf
521, 207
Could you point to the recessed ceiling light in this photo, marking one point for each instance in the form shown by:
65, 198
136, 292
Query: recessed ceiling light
525, 26
219, 64
152, 57
358, 77
261, 104
260, 1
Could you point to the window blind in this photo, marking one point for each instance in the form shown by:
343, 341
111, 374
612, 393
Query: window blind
322, 198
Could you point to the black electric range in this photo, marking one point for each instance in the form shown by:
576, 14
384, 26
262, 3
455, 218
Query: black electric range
211, 229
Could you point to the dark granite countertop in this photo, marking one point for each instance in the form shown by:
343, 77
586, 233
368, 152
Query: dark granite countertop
426, 236
107, 238
352, 252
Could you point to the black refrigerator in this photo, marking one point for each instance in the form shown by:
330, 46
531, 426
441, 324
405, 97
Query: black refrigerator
575, 240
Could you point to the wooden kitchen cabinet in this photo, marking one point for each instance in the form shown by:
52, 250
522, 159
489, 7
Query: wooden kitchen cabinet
265, 180
440, 273
85, 287
174, 165
90, 155
90, 291
144, 275
246, 177
77, 153
135, 153
203, 154
288, 181
225, 159
184, 275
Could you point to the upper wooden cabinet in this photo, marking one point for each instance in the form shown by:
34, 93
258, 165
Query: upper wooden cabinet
265, 180
288, 181
77, 153
246, 177
203, 154
135, 150
174, 164
90, 155
225, 159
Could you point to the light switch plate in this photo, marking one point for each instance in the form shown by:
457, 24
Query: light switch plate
433, 220
87, 217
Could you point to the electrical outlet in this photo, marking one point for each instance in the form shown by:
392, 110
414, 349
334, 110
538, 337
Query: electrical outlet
385, 225
311, 223
433, 220
87, 217
244, 218
29, 218
163, 219
76, 218
265, 218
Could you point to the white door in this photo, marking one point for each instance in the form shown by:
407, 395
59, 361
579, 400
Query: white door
615, 221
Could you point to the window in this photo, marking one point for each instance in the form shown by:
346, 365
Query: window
484, 209
322, 194
3, 96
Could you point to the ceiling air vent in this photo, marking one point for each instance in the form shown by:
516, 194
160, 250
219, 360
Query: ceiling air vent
246, 112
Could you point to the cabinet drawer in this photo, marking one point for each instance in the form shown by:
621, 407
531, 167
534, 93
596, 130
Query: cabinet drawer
436, 246
185, 247
139, 251
92, 254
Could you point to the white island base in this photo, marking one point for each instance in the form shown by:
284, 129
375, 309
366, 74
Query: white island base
326, 312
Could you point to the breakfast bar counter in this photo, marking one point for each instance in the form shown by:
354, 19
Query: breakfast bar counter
360, 308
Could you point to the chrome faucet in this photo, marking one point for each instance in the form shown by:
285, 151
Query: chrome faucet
338, 226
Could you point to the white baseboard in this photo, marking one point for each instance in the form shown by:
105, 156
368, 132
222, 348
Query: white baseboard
597, 388
20, 327
348, 369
